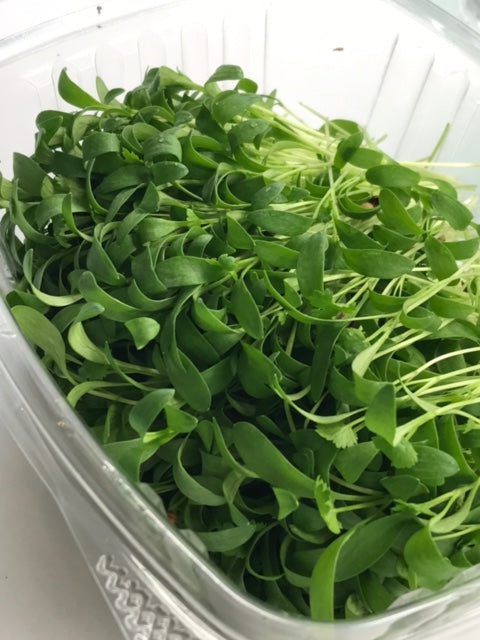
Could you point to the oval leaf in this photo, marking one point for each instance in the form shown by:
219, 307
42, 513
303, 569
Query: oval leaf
377, 264
454, 212
143, 414
283, 223
367, 545
424, 559
264, 459
392, 175
183, 271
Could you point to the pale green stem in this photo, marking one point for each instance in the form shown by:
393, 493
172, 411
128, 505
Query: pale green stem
354, 487
458, 534
408, 429
445, 356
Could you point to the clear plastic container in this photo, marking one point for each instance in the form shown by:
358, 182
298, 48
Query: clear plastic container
402, 68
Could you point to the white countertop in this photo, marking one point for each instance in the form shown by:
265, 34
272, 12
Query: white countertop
46, 591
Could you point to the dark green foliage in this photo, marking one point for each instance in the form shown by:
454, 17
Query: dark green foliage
273, 326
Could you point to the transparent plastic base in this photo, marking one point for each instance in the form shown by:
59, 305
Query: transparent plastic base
404, 70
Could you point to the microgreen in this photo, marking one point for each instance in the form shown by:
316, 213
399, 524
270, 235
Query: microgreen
275, 327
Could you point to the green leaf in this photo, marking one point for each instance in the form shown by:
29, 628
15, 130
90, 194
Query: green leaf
29, 175
163, 144
143, 414
227, 539
327, 337
323, 580
229, 104
377, 264
114, 309
353, 461
190, 487
342, 435
394, 215
69, 217
393, 176
433, 465
183, 271
454, 212
366, 158
194, 342
129, 455
84, 388
463, 249
51, 301
130, 175
367, 545
226, 72
276, 254
375, 594
74, 95
266, 195
440, 525
458, 329
167, 171
347, 148
209, 319
311, 264
82, 124
257, 372
266, 460
99, 263
170, 78
183, 373
402, 456
353, 238
283, 223
102, 89
403, 486
389, 304
245, 309
143, 330
38, 330
287, 502
392, 240
67, 165
248, 130
440, 258
179, 421
50, 121
99, 142
237, 236
423, 558
420, 318
151, 229
340, 128
381, 414
219, 376
83, 345
218, 434
188, 381
449, 442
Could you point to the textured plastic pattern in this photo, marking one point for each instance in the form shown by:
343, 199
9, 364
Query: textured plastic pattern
402, 68
142, 617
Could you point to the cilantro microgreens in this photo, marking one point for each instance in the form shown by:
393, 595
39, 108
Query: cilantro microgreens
274, 326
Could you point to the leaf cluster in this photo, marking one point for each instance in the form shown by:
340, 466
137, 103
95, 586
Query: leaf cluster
275, 327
